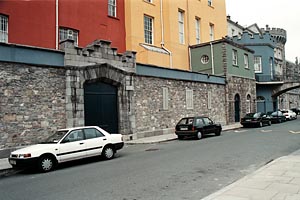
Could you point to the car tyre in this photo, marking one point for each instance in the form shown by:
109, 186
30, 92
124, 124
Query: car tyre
46, 163
199, 135
180, 137
218, 133
108, 153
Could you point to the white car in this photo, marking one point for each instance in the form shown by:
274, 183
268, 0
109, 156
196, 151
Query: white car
289, 114
66, 145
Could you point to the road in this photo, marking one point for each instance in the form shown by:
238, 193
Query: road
186, 169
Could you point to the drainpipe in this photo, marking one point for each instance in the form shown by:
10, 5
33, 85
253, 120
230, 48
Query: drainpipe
162, 34
212, 58
56, 24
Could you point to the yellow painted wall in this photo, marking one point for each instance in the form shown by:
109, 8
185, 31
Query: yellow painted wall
136, 9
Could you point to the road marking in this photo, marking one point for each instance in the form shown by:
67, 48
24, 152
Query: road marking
298, 132
266, 131
240, 131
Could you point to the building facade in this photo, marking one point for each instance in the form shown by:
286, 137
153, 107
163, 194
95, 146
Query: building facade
160, 31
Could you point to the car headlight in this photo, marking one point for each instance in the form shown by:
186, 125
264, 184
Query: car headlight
26, 155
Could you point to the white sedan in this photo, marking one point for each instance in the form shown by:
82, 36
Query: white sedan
66, 145
289, 114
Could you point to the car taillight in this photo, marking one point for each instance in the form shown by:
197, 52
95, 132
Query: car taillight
193, 128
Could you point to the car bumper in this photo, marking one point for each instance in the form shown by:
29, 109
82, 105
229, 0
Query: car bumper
250, 123
119, 146
186, 133
23, 163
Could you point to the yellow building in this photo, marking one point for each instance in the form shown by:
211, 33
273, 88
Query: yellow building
160, 31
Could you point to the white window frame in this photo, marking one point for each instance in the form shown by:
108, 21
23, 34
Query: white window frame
112, 8
211, 32
149, 1
148, 29
234, 57
257, 64
68, 33
181, 26
189, 99
165, 98
248, 100
210, 2
209, 99
3, 28
246, 61
198, 29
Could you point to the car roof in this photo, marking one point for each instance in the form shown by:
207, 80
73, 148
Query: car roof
75, 128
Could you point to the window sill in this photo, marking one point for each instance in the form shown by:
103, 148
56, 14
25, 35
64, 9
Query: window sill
112, 17
151, 3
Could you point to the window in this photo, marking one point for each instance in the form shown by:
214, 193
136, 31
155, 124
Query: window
181, 26
148, 29
112, 8
197, 24
204, 59
257, 64
211, 32
189, 99
248, 103
150, 1
271, 67
234, 57
246, 61
165, 99
92, 133
209, 2
66, 33
3, 28
75, 135
209, 100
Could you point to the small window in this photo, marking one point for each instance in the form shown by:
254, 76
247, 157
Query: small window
148, 29
165, 99
181, 26
67, 33
149, 1
204, 59
246, 61
211, 32
209, 2
189, 99
197, 24
234, 57
257, 64
92, 133
3, 28
112, 8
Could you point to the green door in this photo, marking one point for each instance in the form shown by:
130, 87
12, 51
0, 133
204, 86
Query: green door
100, 106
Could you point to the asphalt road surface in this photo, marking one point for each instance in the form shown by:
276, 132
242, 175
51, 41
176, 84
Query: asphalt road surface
186, 169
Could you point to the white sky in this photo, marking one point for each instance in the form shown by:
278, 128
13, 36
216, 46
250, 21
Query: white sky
275, 13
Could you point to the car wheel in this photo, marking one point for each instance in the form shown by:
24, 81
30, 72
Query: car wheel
108, 152
218, 133
199, 135
46, 163
180, 137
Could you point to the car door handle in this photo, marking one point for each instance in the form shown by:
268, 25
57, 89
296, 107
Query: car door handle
104, 139
81, 143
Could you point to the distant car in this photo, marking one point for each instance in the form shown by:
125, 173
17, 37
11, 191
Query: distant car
66, 145
296, 110
256, 119
277, 117
196, 127
289, 114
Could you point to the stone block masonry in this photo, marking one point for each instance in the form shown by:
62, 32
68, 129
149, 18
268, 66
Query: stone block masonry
32, 103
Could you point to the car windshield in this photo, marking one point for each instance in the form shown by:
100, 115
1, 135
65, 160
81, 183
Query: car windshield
254, 115
56, 137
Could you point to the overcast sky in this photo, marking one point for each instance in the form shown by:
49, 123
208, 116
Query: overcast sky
275, 13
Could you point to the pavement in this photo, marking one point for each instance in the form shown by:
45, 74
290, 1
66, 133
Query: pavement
277, 180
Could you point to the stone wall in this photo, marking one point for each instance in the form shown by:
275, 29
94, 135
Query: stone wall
152, 119
32, 103
243, 87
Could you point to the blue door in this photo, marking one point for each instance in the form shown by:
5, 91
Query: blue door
100, 106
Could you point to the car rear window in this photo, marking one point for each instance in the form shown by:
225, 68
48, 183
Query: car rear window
186, 121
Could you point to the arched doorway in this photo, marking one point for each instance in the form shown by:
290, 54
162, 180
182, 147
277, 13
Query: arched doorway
237, 102
100, 106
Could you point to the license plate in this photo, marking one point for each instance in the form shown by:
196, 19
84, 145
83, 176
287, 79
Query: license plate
183, 129
13, 162
248, 120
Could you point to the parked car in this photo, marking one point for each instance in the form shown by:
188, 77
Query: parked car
277, 117
256, 119
296, 110
289, 114
196, 127
66, 145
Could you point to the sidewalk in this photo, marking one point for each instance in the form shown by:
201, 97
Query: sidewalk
278, 180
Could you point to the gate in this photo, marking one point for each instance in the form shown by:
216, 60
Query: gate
237, 103
100, 106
